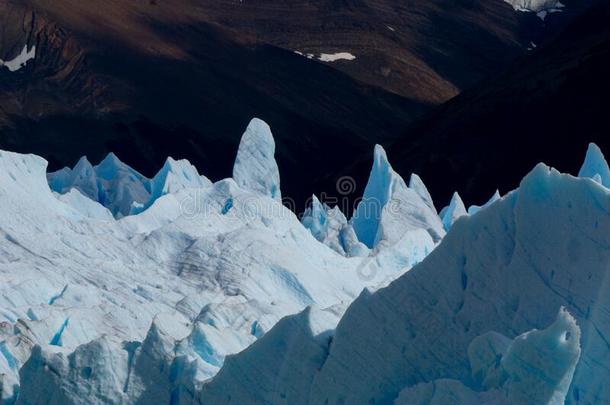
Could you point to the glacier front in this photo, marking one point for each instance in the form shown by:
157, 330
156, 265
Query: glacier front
115, 288
118, 289
513, 307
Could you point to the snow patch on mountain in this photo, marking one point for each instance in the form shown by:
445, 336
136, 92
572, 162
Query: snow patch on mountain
328, 57
20, 60
333, 57
541, 7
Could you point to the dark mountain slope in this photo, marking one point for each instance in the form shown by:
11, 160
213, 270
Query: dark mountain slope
428, 50
185, 89
150, 78
546, 107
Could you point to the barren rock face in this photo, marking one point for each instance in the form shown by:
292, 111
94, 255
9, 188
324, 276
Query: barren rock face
147, 80
150, 78
427, 50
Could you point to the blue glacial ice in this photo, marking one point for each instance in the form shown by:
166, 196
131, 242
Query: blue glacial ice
512, 307
255, 168
473, 209
189, 301
329, 226
453, 211
172, 177
595, 165
389, 209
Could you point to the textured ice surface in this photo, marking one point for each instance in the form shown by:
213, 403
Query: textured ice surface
473, 209
111, 183
453, 211
255, 168
329, 226
218, 294
389, 209
595, 165
84, 205
175, 175
20, 60
512, 307
535, 368
146, 308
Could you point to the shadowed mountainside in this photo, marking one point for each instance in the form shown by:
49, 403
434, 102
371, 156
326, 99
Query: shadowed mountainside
546, 107
147, 79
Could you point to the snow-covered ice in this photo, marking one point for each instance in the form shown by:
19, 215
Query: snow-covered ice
453, 211
216, 293
595, 165
512, 307
255, 168
100, 303
112, 183
389, 209
475, 208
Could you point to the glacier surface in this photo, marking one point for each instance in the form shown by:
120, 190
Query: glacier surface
255, 168
453, 211
115, 288
512, 307
112, 183
595, 166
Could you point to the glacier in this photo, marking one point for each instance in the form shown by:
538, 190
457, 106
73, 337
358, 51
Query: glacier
511, 307
389, 209
255, 168
330, 226
117, 289
453, 211
595, 166
121, 289
475, 208
112, 183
